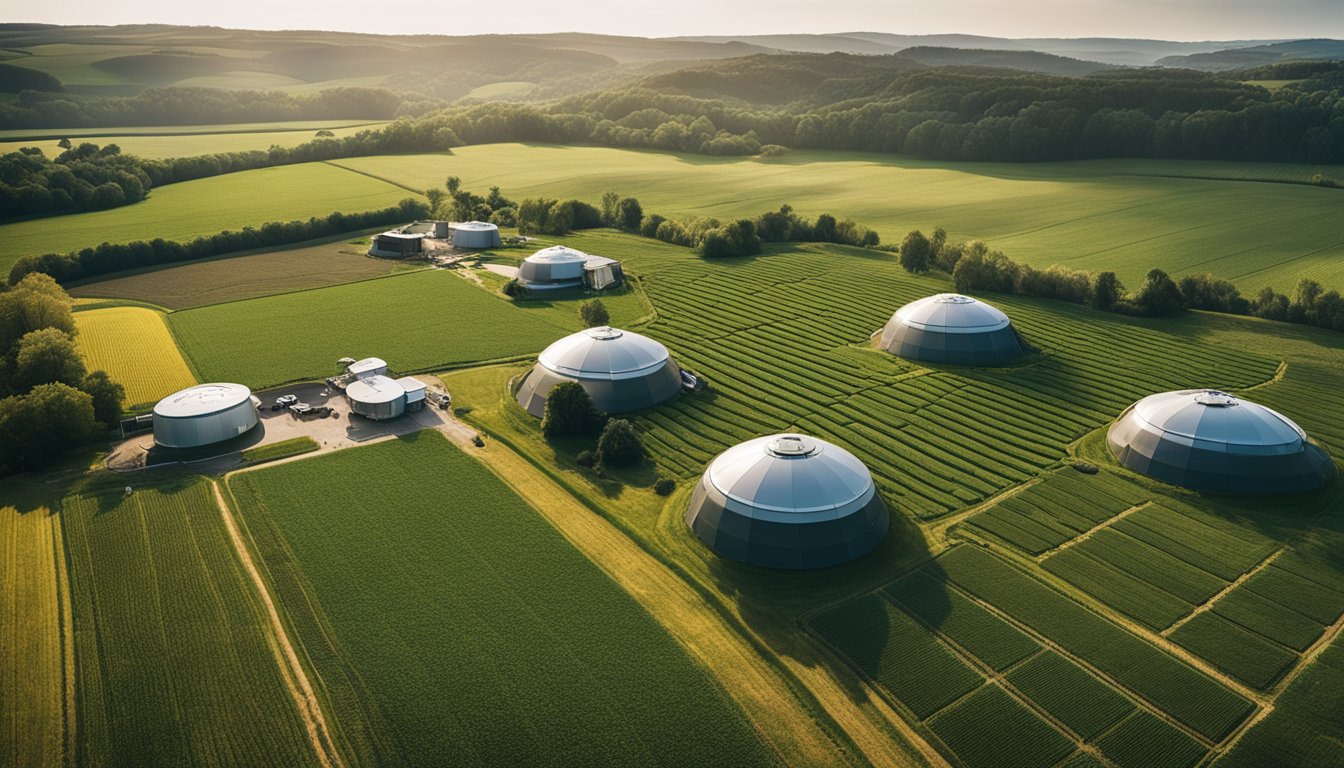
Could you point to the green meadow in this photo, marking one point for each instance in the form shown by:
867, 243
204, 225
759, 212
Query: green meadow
193, 208
185, 142
1126, 216
451, 624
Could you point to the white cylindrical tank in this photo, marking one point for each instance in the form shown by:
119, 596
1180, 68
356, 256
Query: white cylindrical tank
204, 414
377, 398
476, 234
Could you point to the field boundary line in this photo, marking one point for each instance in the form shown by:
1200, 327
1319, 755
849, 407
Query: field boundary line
69, 692
1275, 379
286, 658
1094, 529
1213, 601
941, 526
385, 180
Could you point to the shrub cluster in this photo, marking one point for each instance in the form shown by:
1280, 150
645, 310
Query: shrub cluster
110, 257
84, 178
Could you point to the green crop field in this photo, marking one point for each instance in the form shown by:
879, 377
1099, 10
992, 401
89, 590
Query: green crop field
230, 278
133, 345
193, 208
1127, 216
32, 666
140, 641
415, 321
202, 140
449, 623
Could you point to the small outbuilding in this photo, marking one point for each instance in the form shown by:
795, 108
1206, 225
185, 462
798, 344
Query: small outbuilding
621, 371
397, 245
204, 414
475, 235
369, 366
561, 267
790, 502
951, 328
1212, 441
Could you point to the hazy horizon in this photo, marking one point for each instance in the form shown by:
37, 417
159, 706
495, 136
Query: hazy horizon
1194, 20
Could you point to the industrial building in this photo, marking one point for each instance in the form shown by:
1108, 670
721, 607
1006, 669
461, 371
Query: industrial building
379, 397
397, 245
951, 328
790, 502
204, 414
475, 235
363, 369
1212, 441
560, 267
621, 371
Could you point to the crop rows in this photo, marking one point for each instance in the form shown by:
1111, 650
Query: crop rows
133, 345
457, 626
1165, 682
982, 634
1242, 654
1072, 695
991, 724
32, 695
775, 338
1059, 508
173, 667
1144, 740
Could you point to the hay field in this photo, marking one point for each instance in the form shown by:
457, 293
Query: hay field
135, 348
450, 623
205, 206
1123, 215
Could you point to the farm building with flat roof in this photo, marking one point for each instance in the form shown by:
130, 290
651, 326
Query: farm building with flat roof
790, 502
397, 245
621, 371
951, 328
380, 397
1212, 441
204, 414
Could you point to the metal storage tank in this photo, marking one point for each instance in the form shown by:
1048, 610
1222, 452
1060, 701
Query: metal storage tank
1212, 441
951, 328
622, 371
475, 234
554, 267
377, 398
204, 414
788, 501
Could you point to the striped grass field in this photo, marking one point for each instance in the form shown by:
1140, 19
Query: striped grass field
32, 646
450, 623
135, 348
173, 664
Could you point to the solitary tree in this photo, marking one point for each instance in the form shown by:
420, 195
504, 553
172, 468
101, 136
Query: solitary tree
325, 134
453, 184
570, 412
593, 313
1159, 295
915, 255
64, 144
435, 197
619, 445
609, 202
629, 213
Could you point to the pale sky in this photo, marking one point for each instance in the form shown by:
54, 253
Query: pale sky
1162, 19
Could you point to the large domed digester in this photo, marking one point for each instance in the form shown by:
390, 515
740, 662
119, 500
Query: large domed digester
554, 267
621, 371
1212, 441
475, 234
789, 502
951, 328
204, 414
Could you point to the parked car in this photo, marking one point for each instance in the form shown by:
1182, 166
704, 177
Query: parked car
692, 383
286, 400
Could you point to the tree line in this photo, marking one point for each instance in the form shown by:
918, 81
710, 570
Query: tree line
83, 178
975, 267
49, 402
110, 257
182, 105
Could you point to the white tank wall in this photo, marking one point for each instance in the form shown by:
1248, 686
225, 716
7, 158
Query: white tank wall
472, 238
194, 431
379, 411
